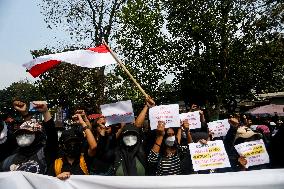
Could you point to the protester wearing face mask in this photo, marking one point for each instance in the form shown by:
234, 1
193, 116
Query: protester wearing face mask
7, 141
130, 156
236, 135
74, 160
37, 143
166, 152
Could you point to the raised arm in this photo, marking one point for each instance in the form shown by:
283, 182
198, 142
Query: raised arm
84, 117
89, 136
160, 135
42, 107
185, 126
141, 117
51, 147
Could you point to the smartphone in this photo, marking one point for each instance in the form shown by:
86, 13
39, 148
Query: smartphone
32, 105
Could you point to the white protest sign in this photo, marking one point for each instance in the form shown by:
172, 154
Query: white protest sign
254, 152
209, 156
219, 128
193, 119
119, 112
167, 113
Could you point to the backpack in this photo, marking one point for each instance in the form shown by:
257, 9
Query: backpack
59, 163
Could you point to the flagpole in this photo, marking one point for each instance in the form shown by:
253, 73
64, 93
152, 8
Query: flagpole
125, 69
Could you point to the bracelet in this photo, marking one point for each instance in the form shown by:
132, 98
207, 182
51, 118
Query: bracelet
158, 144
187, 131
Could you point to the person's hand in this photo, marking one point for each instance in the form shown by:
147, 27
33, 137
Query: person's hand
202, 117
63, 176
82, 113
40, 106
20, 106
211, 133
150, 102
161, 128
234, 122
102, 129
243, 161
202, 141
108, 130
185, 125
78, 118
122, 125
194, 107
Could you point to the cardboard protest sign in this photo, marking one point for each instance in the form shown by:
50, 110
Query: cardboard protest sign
167, 113
119, 112
209, 156
254, 152
219, 128
193, 119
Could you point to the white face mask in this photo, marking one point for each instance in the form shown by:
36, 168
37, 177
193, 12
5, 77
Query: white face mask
25, 139
170, 141
3, 134
130, 140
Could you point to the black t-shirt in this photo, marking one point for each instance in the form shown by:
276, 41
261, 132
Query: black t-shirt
8, 147
104, 157
74, 168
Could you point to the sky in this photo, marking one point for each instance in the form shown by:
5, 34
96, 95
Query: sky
22, 28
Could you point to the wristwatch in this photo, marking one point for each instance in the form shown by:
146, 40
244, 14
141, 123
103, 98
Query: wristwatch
86, 127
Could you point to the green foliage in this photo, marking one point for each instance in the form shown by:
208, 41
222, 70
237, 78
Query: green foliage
87, 22
217, 50
142, 44
210, 46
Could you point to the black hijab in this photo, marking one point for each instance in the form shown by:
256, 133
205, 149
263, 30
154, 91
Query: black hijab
129, 153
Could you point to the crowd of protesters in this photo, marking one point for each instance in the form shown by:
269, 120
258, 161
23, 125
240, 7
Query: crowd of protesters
89, 147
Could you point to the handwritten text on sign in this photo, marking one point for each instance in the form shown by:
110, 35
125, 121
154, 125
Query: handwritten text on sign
219, 128
167, 113
209, 156
254, 151
193, 119
119, 112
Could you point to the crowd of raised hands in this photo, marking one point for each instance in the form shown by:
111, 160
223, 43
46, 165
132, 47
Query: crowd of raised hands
89, 147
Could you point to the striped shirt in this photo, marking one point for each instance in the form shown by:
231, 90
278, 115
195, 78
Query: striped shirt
166, 165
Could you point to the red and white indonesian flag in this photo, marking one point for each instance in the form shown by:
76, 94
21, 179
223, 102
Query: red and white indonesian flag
90, 58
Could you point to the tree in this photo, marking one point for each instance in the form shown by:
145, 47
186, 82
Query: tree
208, 45
142, 44
219, 34
87, 22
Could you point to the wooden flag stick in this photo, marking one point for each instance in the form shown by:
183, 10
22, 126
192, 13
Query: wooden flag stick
125, 69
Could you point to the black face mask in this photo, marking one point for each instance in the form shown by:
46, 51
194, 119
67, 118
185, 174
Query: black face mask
72, 150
